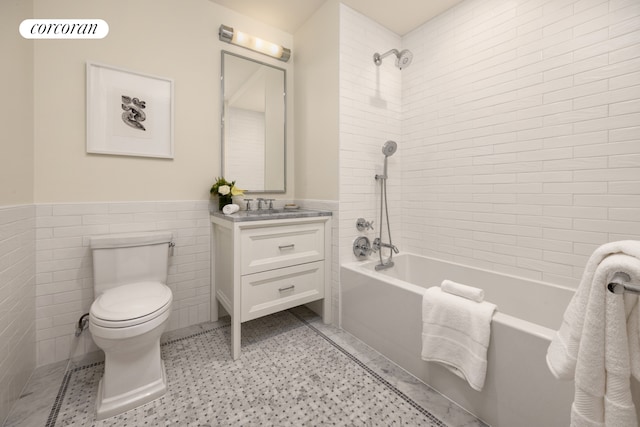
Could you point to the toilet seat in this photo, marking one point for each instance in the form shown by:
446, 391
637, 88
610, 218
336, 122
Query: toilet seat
130, 305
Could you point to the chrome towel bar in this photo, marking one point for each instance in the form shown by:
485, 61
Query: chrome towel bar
619, 285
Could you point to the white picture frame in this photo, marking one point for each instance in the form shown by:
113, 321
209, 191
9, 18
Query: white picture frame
128, 113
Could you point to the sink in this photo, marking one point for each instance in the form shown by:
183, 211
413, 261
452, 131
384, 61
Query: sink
275, 212
267, 212
264, 212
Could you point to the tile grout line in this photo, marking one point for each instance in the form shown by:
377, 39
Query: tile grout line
194, 335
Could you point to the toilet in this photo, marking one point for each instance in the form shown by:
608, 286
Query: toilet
130, 311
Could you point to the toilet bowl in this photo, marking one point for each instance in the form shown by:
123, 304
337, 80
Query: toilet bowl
127, 318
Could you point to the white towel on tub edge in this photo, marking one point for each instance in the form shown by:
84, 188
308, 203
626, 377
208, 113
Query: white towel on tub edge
455, 333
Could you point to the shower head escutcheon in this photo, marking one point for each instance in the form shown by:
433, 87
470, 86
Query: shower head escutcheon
403, 58
389, 148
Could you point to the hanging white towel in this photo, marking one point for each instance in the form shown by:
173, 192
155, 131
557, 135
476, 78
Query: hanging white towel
598, 343
456, 333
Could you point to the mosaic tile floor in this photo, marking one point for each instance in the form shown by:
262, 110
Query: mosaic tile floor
293, 371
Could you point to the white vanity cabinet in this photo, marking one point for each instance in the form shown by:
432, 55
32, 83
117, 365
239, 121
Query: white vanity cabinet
262, 266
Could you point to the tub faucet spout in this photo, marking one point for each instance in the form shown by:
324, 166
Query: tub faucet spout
377, 244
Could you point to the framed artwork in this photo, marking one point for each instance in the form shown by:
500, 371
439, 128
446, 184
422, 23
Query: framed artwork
128, 113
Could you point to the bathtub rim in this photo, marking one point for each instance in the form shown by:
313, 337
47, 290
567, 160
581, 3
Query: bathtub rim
499, 317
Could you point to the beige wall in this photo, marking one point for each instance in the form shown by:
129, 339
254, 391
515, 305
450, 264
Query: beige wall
316, 100
167, 38
17, 239
16, 108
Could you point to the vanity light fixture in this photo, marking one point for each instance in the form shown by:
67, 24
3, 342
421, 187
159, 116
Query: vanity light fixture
227, 34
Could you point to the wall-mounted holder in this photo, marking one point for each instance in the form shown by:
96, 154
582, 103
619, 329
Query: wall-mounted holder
362, 224
362, 247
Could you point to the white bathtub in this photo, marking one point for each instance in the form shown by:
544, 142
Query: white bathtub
383, 309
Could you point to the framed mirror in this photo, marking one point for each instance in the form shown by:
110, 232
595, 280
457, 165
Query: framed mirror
253, 124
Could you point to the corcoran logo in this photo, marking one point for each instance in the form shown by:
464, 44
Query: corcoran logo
64, 29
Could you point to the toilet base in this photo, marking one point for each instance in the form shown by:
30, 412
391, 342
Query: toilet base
115, 405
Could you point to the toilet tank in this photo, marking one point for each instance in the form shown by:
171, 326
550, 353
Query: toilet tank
120, 259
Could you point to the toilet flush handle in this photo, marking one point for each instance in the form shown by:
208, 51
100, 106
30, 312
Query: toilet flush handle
171, 246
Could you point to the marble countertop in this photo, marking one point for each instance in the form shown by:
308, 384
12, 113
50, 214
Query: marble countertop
267, 214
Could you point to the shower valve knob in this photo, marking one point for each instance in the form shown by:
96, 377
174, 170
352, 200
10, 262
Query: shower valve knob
362, 224
361, 247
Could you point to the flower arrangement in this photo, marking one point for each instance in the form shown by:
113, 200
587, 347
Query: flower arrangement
225, 190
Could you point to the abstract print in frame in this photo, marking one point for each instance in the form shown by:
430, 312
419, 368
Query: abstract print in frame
128, 113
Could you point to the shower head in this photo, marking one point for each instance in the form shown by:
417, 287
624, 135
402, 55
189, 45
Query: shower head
389, 148
403, 58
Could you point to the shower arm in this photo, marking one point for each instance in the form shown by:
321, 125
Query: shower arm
377, 58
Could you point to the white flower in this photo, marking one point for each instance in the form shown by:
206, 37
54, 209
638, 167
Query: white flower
224, 190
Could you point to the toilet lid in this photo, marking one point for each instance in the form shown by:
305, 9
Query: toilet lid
132, 301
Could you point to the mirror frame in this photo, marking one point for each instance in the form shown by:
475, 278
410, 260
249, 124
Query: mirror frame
222, 121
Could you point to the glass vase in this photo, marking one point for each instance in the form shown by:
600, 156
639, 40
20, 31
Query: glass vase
224, 201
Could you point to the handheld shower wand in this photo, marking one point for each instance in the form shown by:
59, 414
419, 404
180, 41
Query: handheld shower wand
388, 149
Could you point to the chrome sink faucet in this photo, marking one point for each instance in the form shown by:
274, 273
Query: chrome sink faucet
262, 203
270, 203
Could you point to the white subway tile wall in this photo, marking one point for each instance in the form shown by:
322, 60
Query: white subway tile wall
17, 309
370, 114
521, 134
518, 127
64, 283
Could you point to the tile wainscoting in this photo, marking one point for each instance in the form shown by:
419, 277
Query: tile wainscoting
64, 273
17, 281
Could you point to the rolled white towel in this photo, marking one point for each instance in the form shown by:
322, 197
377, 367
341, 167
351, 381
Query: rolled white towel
230, 209
469, 292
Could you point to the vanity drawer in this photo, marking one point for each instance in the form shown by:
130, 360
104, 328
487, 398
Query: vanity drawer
269, 248
272, 291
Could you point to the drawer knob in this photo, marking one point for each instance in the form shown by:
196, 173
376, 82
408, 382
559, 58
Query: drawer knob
288, 288
290, 246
